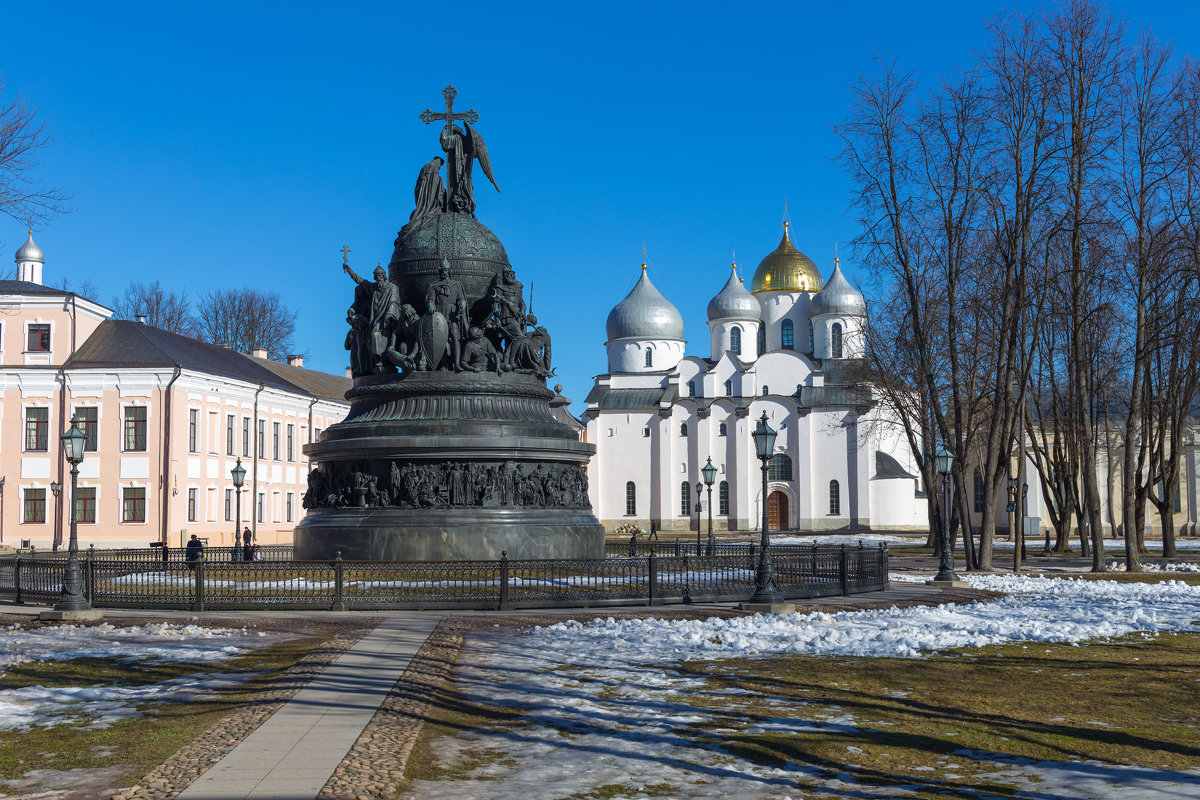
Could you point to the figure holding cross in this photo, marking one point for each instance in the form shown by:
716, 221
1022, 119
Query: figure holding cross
462, 146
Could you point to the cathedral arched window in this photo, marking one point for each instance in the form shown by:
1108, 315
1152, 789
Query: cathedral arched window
779, 467
787, 336
683, 429
692, 390
723, 499
811, 346
685, 498
835, 498
980, 493
835, 340
649, 357
729, 388
722, 430
630, 499
735, 340
762, 339
766, 391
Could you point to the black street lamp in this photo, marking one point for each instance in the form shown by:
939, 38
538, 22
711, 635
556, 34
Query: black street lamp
944, 463
238, 473
699, 495
765, 590
56, 490
710, 475
72, 598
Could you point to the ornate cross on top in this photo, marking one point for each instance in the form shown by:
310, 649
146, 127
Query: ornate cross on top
345, 254
451, 116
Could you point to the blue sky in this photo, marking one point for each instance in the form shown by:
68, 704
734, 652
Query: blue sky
222, 144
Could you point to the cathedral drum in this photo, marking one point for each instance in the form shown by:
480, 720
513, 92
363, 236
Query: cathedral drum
450, 450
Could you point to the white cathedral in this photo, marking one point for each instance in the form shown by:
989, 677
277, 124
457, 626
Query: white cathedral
786, 347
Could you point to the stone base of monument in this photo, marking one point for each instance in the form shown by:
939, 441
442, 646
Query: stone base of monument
768, 608
82, 615
449, 535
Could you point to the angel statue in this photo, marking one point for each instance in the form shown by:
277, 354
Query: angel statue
463, 146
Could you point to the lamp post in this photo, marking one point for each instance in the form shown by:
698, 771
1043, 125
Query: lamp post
72, 598
699, 495
238, 473
944, 463
2, 510
56, 490
765, 590
710, 475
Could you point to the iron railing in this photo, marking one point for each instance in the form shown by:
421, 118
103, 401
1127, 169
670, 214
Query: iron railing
112, 581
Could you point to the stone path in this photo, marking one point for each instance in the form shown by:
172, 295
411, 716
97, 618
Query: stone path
294, 753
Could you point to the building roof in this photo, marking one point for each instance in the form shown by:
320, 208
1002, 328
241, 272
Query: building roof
29, 287
888, 467
839, 297
786, 269
644, 314
30, 252
734, 302
121, 343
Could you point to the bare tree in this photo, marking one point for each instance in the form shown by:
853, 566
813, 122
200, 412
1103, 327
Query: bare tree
247, 320
22, 137
85, 288
163, 308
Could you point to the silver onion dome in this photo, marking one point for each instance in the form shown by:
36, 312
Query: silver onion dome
734, 302
839, 297
644, 314
30, 252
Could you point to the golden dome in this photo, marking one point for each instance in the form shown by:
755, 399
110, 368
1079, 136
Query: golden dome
786, 269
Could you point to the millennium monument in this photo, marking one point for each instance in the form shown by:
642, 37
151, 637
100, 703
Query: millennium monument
449, 450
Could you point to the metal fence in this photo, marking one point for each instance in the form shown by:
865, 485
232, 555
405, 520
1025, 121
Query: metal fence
212, 584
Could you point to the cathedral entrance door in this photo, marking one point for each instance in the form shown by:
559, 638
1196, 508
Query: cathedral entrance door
777, 511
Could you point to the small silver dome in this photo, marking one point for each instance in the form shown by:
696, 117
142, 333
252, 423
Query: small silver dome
644, 314
839, 297
30, 252
734, 302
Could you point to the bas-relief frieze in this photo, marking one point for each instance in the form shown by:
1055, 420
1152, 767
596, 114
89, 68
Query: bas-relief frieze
446, 484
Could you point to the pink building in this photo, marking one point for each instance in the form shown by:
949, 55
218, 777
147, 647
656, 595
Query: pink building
166, 417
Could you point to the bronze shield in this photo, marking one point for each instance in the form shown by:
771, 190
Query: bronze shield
432, 332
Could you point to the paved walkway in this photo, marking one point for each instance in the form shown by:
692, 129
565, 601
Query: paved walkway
293, 754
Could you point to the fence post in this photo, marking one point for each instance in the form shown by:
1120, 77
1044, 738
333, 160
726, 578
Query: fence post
339, 596
677, 554
652, 579
753, 560
17, 581
842, 572
89, 576
198, 604
883, 567
504, 604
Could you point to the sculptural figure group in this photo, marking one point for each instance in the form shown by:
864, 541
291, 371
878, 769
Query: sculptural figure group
386, 334
448, 484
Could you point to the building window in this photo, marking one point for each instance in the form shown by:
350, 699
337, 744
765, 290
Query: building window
722, 430
811, 338
262, 438
34, 510
135, 429
86, 418
39, 339
246, 437
788, 339
262, 502
646, 432
835, 339
288, 507
692, 389
649, 357
275, 440
735, 340
37, 430
762, 339
316, 434
230, 421
228, 505
291, 442
85, 505
133, 504
779, 467
193, 431
723, 499
683, 429
980, 493
630, 499
729, 388
191, 505
766, 391
685, 498
835, 498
